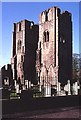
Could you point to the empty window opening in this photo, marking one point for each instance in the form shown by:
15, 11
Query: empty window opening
63, 41
19, 45
32, 23
22, 58
46, 16
46, 36
22, 49
19, 26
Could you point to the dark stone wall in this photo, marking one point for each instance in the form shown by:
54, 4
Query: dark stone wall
24, 59
30, 54
6, 73
65, 47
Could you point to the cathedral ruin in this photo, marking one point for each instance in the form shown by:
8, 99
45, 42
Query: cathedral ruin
54, 53
42, 54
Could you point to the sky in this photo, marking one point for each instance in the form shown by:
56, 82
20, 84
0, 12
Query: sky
80, 27
16, 11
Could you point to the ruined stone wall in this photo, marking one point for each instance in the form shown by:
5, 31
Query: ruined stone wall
30, 56
25, 37
53, 60
49, 49
54, 57
65, 48
6, 73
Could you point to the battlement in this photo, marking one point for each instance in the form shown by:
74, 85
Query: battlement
22, 25
66, 12
6, 67
48, 14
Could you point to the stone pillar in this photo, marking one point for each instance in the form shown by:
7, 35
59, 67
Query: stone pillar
24, 87
41, 83
47, 90
15, 83
26, 83
40, 89
76, 88
58, 89
17, 89
69, 89
13, 73
29, 84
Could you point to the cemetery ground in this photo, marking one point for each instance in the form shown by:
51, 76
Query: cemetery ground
66, 112
63, 107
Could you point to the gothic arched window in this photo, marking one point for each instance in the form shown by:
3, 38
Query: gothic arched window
19, 45
46, 36
46, 16
19, 26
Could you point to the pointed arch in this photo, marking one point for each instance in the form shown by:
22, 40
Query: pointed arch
46, 36
43, 74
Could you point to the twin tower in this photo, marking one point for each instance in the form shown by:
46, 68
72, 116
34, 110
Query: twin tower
43, 53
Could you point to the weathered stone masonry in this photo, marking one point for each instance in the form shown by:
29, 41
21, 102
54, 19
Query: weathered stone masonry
54, 53
43, 52
25, 38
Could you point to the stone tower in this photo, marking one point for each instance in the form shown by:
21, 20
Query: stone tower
54, 53
25, 38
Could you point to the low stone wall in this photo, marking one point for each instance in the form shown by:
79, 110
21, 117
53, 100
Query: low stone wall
14, 106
